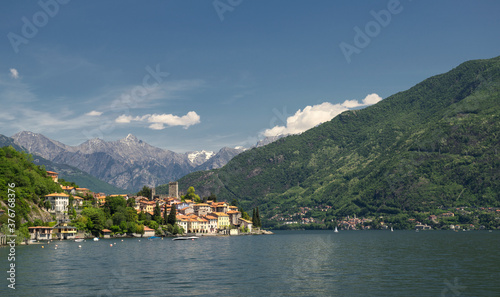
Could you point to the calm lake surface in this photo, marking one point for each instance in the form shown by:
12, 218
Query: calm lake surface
289, 263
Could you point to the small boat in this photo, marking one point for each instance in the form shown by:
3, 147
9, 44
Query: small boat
96, 239
336, 230
79, 240
392, 230
153, 237
185, 238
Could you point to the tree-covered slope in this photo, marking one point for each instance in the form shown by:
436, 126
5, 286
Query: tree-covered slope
27, 182
66, 172
434, 145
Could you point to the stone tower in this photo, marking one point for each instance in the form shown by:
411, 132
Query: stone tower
173, 189
153, 192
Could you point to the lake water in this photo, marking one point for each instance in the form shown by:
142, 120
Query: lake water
289, 263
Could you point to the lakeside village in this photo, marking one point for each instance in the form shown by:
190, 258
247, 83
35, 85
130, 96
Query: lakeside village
456, 219
80, 213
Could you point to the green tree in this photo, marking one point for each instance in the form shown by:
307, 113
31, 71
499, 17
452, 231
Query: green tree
212, 197
131, 202
132, 227
178, 229
157, 213
47, 205
114, 204
131, 214
165, 215
190, 195
172, 219
146, 192
97, 219
140, 229
257, 216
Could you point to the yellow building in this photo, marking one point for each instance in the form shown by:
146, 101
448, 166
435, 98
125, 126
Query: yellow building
101, 199
222, 220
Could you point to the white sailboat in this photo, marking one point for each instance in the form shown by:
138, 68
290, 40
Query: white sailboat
336, 230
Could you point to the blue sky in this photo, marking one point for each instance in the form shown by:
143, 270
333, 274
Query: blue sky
192, 75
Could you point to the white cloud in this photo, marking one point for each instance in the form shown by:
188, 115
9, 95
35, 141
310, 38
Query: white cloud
314, 115
14, 73
124, 119
158, 121
94, 113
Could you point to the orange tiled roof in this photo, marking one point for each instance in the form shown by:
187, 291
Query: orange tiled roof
57, 195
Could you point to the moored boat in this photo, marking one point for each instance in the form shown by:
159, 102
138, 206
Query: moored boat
185, 238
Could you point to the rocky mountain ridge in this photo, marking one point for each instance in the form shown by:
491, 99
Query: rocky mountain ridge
127, 163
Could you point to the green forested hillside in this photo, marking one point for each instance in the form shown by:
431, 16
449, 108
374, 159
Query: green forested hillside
67, 172
432, 146
28, 182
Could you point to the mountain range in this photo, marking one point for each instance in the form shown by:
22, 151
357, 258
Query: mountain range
66, 172
128, 163
431, 147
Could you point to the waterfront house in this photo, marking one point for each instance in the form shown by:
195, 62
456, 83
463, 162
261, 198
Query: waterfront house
194, 225
69, 190
212, 223
53, 175
182, 221
148, 232
65, 232
234, 215
106, 233
422, 227
40, 233
201, 209
203, 223
222, 220
246, 223
77, 201
58, 201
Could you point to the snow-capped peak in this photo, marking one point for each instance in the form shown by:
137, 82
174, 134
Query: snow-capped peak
130, 137
205, 155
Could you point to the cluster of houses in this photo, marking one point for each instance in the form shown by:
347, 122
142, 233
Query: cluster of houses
205, 218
